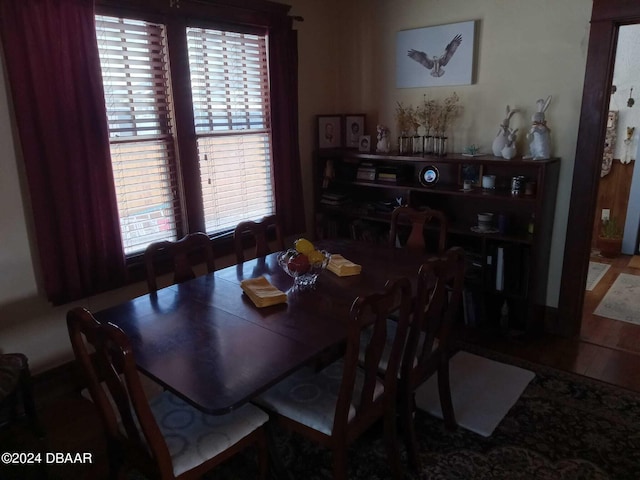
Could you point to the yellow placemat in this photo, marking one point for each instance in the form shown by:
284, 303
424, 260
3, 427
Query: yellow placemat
343, 267
262, 293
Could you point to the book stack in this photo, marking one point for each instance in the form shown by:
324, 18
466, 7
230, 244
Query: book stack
366, 172
387, 175
334, 199
470, 308
473, 266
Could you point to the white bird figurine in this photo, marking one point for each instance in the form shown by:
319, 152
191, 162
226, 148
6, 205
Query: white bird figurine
435, 63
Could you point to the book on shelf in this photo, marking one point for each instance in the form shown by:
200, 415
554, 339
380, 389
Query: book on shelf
366, 172
387, 174
508, 267
387, 177
468, 310
334, 199
500, 269
473, 266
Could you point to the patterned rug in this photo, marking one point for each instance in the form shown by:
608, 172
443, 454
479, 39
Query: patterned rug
595, 274
622, 301
562, 427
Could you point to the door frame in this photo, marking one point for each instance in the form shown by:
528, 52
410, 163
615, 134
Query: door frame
606, 17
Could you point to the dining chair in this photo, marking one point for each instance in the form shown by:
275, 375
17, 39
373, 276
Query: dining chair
335, 405
427, 351
260, 233
179, 253
166, 437
15, 381
418, 220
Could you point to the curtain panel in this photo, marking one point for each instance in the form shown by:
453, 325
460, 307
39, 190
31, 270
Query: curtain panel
283, 64
54, 75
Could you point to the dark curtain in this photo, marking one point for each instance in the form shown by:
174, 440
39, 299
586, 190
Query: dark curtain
53, 67
283, 67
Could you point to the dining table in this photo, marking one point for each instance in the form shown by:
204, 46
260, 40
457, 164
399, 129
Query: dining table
206, 341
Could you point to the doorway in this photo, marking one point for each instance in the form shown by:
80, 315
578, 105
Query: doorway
607, 18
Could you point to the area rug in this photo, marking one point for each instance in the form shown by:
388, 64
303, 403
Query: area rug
596, 272
563, 427
622, 301
482, 391
634, 262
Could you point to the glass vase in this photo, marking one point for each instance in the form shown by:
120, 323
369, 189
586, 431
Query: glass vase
428, 145
417, 144
440, 145
404, 144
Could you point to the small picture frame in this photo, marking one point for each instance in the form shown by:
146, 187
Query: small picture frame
470, 172
329, 131
364, 145
353, 130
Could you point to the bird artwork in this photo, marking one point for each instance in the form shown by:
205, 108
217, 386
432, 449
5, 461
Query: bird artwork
435, 63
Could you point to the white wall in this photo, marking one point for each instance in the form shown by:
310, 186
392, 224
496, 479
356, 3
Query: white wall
526, 50
17, 278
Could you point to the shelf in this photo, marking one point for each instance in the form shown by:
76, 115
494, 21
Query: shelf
454, 190
451, 158
372, 216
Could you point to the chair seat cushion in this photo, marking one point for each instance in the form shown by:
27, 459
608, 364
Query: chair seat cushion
11, 365
309, 397
194, 437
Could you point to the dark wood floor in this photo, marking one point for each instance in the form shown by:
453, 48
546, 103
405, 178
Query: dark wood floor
72, 425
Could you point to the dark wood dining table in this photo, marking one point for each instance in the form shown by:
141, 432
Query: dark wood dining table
205, 340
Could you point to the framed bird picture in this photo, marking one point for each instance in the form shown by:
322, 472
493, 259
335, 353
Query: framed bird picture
435, 56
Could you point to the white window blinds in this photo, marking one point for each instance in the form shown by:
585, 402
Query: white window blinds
137, 96
230, 94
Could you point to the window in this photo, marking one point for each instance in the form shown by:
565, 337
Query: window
229, 94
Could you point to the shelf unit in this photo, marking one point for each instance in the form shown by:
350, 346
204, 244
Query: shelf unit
505, 297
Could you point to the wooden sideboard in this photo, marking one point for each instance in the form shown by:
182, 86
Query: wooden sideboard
506, 270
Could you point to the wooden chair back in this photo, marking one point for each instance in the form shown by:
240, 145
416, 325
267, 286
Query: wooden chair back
260, 233
371, 313
114, 363
418, 220
440, 285
179, 253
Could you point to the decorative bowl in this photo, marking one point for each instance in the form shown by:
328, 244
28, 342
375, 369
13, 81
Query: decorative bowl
304, 269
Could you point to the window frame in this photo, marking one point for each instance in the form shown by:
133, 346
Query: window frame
253, 18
